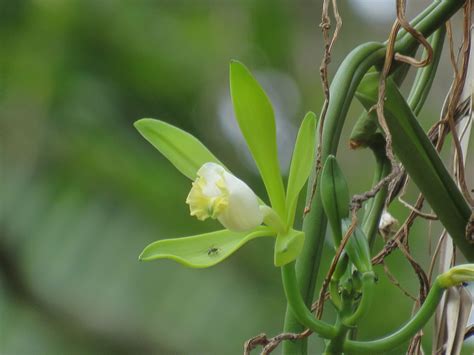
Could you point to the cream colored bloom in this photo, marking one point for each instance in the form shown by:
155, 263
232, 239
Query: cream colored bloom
220, 195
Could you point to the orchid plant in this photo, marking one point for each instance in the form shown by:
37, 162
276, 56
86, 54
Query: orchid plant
218, 194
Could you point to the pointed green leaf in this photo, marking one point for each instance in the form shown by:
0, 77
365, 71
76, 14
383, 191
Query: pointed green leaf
182, 149
288, 246
202, 250
334, 195
255, 116
301, 163
420, 159
357, 247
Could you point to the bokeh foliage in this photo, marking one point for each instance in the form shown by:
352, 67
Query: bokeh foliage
82, 193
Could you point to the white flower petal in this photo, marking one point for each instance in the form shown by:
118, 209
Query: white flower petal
219, 194
212, 173
243, 212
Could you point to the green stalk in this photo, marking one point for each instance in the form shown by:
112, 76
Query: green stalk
374, 207
425, 76
355, 66
334, 346
404, 333
298, 306
342, 90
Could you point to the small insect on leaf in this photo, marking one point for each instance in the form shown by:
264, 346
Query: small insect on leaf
213, 251
203, 250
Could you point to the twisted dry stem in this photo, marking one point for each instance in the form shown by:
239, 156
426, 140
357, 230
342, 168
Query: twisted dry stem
325, 26
401, 19
270, 344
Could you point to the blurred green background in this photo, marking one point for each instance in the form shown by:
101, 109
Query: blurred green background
82, 193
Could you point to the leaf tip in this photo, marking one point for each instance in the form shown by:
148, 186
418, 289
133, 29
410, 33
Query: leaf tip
329, 165
311, 120
235, 62
144, 255
311, 115
141, 123
238, 68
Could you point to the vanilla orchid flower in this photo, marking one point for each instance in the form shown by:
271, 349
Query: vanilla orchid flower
220, 195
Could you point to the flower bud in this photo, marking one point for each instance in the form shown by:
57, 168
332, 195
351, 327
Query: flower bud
388, 224
220, 195
457, 275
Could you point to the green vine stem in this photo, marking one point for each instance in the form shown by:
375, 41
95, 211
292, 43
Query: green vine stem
342, 90
374, 207
355, 66
298, 306
334, 346
404, 333
425, 76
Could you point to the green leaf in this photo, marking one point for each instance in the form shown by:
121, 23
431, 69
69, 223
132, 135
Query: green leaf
256, 120
357, 247
334, 195
288, 246
301, 163
182, 149
420, 159
203, 250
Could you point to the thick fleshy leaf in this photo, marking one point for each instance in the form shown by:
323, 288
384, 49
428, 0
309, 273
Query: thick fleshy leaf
301, 163
288, 246
334, 195
420, 159
203, 250
255, 116
182, 149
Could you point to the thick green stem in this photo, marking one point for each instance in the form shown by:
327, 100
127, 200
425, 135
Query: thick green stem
404, 333
298, 306
334, 346
355, 66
